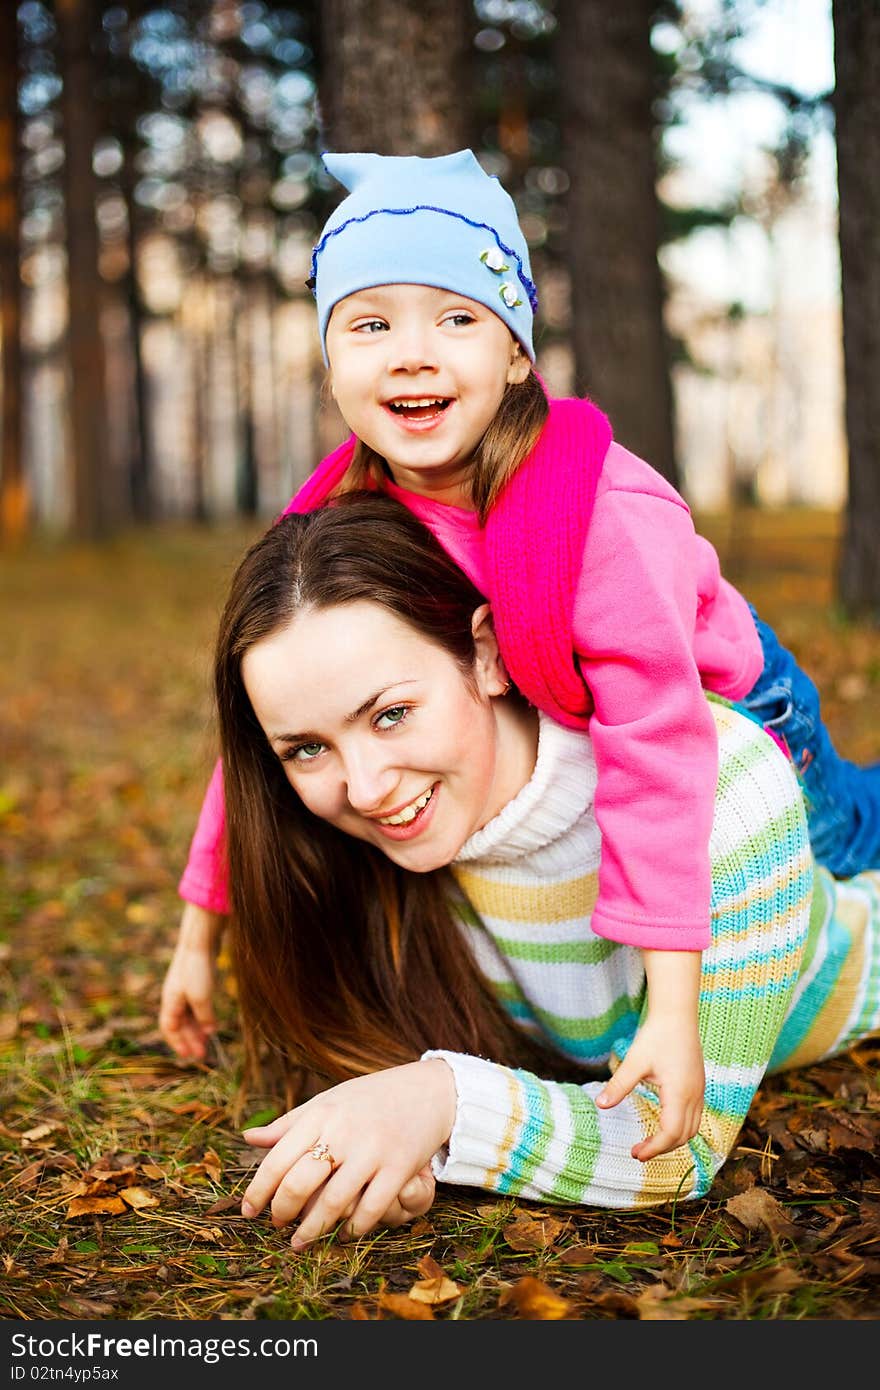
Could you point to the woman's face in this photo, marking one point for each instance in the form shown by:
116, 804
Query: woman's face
380, 733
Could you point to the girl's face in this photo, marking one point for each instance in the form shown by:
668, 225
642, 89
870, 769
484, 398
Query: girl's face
418, 374
380, 733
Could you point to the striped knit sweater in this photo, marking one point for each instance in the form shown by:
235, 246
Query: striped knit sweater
781, 985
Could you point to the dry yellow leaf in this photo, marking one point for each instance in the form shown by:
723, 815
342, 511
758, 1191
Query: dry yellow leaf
525, 1233
96, 1206
435, 1291
31, 1136
402, 1306
534, 1299
138, 1197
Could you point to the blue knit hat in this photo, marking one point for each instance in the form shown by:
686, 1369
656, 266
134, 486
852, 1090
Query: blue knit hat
441, 222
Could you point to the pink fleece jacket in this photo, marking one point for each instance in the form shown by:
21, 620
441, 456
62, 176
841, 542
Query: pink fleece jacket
654, 623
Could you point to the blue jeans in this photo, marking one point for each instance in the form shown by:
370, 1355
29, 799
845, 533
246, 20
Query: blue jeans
842, 799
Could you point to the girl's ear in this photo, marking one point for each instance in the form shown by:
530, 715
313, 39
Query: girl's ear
519, 365
490, 671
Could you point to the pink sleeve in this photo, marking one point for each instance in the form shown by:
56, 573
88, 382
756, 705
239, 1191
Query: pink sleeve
653, 734
205, 880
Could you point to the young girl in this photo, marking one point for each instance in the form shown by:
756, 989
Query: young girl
610, 610
370, 738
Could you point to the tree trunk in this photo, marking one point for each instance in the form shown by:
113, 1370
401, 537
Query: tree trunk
607, 75
396, 76
85, 344
857, 116
13, 494
141, 465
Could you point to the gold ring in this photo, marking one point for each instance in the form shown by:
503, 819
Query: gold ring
321, 1150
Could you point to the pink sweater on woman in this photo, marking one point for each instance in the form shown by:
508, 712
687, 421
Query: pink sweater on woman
653, 625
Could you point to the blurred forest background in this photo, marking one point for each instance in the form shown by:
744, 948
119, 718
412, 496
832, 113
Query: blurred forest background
676, 166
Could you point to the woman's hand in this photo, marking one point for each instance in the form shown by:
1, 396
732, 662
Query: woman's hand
666, 1052
186, 1012
381, 1131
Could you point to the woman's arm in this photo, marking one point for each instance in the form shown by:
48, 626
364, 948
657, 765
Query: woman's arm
380, 1132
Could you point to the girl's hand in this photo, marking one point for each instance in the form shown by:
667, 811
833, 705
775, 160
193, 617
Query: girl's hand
186, 1012
667, 1054
381, 1131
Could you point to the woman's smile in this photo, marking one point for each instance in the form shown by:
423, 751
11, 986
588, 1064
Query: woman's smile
412, 819
397, 744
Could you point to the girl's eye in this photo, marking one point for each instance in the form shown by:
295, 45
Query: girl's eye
461, 320
302, 753
393, 716
370, 326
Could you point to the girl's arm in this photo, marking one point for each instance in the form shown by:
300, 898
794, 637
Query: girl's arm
666, 1052
186, 1013
205, 878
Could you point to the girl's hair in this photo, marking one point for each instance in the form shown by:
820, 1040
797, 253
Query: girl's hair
344, 962
509, 439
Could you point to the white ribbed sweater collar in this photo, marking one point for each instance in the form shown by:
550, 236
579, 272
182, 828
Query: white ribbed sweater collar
556, 796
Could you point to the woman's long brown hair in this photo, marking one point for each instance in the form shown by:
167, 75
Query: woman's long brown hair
344, 962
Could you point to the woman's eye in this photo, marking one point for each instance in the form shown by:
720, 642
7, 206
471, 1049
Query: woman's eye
302, 753
389, 717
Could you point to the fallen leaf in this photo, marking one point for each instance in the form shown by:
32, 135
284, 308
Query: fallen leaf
658, 1303
578, 1255
209, 1166
849, 1136
359, 1312
757, 1209
224, 1204
809, 1180
534, 1299
152, 1170
435, 1291
138, 1197
86, 1307
31, 1136
96, 1206
27, 1176
778, 1279
618, 1302
525, 1233
402, 1306
429, 1268
196, 1108
210, 1234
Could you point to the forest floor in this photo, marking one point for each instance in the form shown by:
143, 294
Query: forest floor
121, 1170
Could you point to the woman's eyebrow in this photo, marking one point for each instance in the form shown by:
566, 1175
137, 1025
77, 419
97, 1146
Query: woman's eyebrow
374, 700
348, 718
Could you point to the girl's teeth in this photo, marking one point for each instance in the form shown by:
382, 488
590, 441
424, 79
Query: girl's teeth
409, 812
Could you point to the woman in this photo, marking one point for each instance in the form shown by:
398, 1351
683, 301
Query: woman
413, 855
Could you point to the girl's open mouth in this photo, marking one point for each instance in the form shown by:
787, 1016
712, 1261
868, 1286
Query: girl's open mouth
424, 408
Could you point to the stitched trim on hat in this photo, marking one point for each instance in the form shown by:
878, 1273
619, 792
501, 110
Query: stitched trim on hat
527, 284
